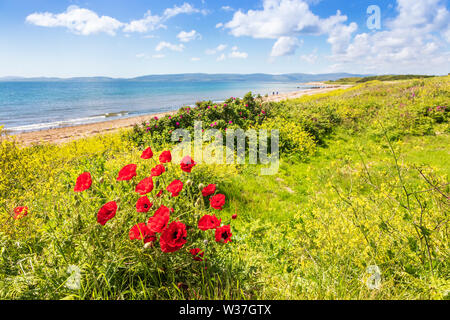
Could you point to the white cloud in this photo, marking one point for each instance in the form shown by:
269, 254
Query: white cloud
86, 22
428, 15
219, 48
416, 40
285, 46
285, 20
446, 35
281, 18
340, 36
158, 56
151, 23
77, 20
310, 58
221, 57
238, 55
184, 36
235, 54
148, 23
219, 25
227, 8
141, 55
174, 47
195, 59
186, 8
413, 42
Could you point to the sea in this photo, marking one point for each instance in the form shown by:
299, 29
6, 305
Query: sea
33, 105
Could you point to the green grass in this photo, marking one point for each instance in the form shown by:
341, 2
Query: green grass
373, 193
283, 248
379, 78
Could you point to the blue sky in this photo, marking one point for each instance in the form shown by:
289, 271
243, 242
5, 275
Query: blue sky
134, 37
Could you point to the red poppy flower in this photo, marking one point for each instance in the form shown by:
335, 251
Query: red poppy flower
107, 212
217, 201
143, 204
160, 219
127, 172
187, 164
147, 154
145, 186
160, 193
175, 187
197, 254
223, 234
20, 212
165, 156
182, 285
141, 231
208, 222
158, 170
209, 190
234, 216
84, 182
173, 237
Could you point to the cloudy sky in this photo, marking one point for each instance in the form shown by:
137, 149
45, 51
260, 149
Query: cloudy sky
129, 38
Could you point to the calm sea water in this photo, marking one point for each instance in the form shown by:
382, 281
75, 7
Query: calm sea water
30, 106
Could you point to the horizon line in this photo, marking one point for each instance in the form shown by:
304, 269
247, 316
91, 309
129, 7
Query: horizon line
206, 73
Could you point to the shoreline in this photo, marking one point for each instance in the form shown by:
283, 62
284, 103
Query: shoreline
69, 133
318, 87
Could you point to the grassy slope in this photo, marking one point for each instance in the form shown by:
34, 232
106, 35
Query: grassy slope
380, 78
308, 232
277, 207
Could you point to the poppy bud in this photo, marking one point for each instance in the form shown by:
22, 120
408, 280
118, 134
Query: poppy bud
189, 183
198, 202
201, 186
182, 285
148, 245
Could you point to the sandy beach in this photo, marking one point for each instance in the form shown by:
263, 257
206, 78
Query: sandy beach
66, 134
318, 87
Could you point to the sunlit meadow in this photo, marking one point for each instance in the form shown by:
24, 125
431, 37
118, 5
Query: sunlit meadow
359, 208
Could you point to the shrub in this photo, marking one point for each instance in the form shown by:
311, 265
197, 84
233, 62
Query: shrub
233, 113
294, 141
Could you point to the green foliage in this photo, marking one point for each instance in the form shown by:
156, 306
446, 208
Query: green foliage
61, 229
233, 113
380, 78
294, 141
373, 191
407, 108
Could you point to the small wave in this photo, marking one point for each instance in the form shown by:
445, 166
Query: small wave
115, 114
65, 123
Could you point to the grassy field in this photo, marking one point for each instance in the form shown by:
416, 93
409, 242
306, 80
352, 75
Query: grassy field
359, 208
378, 78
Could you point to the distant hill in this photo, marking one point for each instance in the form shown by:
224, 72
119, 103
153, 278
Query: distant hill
54, 79
201, 77
379, 78
289, 77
